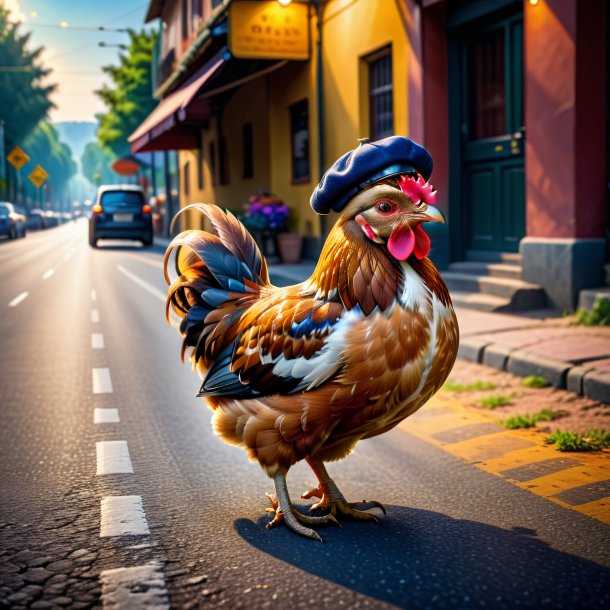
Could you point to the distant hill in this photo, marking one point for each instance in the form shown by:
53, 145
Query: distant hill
76, 135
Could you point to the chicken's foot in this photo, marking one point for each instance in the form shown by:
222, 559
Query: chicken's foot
330, 496
284, 511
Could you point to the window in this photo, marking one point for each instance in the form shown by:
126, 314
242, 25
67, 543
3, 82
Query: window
248, 168
223, 161
200, 159
212, 153
186, 177
299, 134
381, 107
185, 19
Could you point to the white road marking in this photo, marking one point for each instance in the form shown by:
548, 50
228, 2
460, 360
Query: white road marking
97, 341
94, 295
102, 384
18, 299
113, 458
149, 287
123, 516
48, 273
95, 315
137, 587
105, 416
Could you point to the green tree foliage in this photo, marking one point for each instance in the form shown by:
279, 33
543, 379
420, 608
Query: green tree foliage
24, 100
95, 162
129, 98
45, 148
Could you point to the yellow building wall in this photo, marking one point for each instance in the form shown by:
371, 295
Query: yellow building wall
353, 30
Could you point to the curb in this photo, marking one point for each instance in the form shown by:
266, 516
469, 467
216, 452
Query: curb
579, 379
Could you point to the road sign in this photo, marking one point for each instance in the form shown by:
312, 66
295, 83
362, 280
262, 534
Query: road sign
17, 157
38, 176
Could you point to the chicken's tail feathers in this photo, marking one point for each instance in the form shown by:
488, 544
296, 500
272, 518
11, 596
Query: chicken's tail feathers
213, 280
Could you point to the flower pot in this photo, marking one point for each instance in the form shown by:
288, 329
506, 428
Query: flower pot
290, 246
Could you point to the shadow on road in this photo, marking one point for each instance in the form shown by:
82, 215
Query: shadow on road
420, 559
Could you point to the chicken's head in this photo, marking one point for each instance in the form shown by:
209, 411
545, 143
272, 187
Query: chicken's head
390, 212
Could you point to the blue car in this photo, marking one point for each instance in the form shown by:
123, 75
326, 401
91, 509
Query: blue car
12, 220
121, 212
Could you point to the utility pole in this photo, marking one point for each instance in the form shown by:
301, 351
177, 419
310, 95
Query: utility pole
168, 193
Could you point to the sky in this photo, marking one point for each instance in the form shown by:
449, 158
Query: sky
73, 54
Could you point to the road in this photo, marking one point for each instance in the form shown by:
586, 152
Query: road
454, 536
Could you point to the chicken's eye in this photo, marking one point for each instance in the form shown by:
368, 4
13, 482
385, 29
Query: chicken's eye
385, 207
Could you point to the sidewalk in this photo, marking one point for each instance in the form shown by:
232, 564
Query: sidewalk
576, 358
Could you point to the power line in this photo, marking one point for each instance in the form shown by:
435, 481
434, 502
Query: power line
131, 12
66, 27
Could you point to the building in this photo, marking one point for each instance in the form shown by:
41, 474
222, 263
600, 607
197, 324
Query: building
510, 97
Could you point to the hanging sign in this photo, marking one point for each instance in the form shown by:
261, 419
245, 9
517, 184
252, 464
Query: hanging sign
17, 157
37, 176
267, 30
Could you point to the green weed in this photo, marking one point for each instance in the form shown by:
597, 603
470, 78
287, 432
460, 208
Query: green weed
491, 402
534, 381
598, 316
594, 440
529, 420
454, 386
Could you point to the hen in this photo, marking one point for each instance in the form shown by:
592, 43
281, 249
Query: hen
306, 371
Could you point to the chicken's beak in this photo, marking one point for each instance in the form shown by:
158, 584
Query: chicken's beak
433, 214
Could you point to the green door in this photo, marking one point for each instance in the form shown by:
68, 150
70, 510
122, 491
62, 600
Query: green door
492, 134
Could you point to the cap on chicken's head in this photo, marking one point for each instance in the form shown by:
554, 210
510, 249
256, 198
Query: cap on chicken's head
366, 164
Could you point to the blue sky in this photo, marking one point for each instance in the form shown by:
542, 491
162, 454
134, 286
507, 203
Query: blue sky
74, 54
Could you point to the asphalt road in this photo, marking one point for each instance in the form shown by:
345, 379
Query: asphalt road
454, 536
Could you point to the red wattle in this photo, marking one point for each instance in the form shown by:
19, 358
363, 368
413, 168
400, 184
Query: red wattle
422, 243
401, 242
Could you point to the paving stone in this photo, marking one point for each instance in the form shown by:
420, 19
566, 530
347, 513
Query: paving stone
496, 356
523, 364
79, 553
37, 575
471, 349
535, 470
596, 385
464, 433
492, 449
40, 561
62, 600
63, 565
574, 382
590, 492
41, 605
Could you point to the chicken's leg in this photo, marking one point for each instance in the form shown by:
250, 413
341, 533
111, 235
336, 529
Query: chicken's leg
284, 511
330, 496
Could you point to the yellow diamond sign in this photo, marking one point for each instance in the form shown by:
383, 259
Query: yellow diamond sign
38, 176
17, 157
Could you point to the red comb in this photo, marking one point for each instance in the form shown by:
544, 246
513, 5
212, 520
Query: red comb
417, 190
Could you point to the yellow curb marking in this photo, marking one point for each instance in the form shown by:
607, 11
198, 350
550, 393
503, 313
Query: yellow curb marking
508, 449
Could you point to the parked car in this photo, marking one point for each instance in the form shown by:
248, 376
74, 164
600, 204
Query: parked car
36, 219
12, 220
121, 212
53, 218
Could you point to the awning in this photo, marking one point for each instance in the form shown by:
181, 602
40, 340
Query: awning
167, 126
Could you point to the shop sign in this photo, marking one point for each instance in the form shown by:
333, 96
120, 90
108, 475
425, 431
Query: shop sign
267, 30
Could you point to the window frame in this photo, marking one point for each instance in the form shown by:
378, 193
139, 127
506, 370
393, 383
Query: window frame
376, 93
293, 109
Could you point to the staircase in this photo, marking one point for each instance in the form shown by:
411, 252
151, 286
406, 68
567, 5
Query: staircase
491, 281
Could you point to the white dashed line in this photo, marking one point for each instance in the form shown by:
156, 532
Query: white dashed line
113, 458
94, 295
48, 273
102, 384
123, 516
97, 341
149, 287
105, 416
18, 299
95, 315
137, 587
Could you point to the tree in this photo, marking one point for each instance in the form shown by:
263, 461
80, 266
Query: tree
24, 100
129, 99
95, 162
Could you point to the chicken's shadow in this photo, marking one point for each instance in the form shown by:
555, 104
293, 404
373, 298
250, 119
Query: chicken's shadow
419, 558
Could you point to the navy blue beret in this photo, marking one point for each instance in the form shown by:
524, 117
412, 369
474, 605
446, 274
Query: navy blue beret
370, 162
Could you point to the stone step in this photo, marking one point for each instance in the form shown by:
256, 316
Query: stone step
587, 298
522, 295
479, 301
505, 270
482, 256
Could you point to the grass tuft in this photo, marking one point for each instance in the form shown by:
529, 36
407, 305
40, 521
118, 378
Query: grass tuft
529, 420
598, 316
454, 386
491, 402
534, 381
594, 440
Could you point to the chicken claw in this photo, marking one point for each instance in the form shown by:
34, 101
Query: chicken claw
284, 511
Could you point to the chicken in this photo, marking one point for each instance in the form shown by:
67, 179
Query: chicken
304, 372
